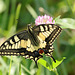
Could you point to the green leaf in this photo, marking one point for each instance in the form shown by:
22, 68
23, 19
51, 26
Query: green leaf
17, 14
32, 11
48, 66
66, 23
44, 63
54, 65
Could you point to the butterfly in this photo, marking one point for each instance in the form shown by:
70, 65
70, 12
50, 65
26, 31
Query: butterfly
33, 42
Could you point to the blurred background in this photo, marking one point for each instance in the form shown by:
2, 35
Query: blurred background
15, 15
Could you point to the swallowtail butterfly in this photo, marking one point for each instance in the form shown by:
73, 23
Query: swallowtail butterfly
32, 43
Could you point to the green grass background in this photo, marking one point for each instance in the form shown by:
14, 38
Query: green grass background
14, 17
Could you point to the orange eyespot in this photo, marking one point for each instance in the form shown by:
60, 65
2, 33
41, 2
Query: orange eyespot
41, 51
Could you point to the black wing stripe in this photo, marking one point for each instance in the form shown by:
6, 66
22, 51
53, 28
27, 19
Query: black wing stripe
43, 27
48, 27
50, 36
13, 39
53, 35
56, 35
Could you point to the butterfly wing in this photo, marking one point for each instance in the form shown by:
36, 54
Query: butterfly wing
20, 44
47, 33
14, 44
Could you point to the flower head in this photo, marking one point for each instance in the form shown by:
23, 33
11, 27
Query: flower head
44, 20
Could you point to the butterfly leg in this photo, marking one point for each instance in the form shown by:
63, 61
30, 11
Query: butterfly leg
37, 60
36, 63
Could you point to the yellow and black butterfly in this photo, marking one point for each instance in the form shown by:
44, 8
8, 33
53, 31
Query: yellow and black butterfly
32, 43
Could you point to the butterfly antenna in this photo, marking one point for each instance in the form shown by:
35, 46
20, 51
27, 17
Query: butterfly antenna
53, 59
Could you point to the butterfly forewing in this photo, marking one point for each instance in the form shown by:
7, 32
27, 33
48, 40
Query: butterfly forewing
47, 33
14, 44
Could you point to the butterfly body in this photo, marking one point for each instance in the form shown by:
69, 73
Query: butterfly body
32, 43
